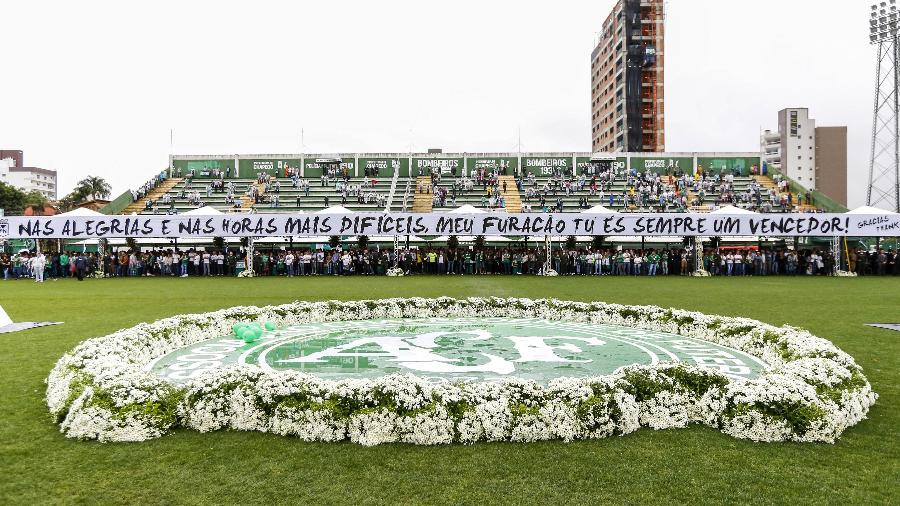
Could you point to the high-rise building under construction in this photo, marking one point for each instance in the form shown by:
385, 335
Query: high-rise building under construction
627, 106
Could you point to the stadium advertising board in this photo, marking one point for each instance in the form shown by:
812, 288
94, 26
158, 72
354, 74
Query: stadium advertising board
662, 165
249, 169
511, 163
445, 165
583, 162
204, 168
546, 165
727, 164
436, 224
315, 167
383, 167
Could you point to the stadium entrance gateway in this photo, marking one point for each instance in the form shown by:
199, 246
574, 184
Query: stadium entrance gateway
455, 349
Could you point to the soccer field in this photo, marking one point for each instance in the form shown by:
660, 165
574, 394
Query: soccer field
691, 465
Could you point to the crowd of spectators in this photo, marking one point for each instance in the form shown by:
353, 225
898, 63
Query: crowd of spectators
607, 261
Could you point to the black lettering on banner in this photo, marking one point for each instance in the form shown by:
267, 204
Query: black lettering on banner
346, 224
419, 226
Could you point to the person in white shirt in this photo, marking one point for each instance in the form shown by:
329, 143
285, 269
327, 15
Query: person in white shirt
206, 258
38, 262
289, 263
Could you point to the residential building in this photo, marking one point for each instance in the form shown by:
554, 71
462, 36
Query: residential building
627, 79
14, 173
814, 157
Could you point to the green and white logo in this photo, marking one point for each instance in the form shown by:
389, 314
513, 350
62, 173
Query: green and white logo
456, 349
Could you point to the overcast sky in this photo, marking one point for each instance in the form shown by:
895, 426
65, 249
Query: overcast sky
93, 88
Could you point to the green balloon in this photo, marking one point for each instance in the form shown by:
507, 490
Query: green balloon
248, 335
236, 328
270, 326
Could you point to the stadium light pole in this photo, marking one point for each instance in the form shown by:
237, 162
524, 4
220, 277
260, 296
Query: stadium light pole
884, 165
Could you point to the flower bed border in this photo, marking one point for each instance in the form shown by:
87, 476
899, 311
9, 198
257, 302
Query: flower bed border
812, 391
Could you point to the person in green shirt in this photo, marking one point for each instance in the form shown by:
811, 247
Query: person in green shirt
64, 265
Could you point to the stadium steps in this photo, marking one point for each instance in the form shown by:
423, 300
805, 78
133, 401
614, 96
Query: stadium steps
511, 196
138, 205
768, 183
422, 202
247, 202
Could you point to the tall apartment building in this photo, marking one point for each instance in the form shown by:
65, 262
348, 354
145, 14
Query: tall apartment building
814, 157
627, 92
14, 173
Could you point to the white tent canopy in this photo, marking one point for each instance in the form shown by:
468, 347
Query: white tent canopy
869, 210
81, 211
203, 211
334, 210
732, 210
599, 210
467, 209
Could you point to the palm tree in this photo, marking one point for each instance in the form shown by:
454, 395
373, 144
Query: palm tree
94, 186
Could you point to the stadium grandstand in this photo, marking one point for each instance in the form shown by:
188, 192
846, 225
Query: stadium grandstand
440, 182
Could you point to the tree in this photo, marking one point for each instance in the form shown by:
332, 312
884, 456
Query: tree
597, 242
36, 201
93, 186
363, 242
334, 241
453, 242
571, 242
12, 199
479, 242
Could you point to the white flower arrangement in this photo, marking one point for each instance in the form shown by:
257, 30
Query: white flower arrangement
395, 272
811, 392
550, 272
248, 273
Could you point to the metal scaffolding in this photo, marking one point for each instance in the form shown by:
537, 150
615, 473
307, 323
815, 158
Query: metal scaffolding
884, 166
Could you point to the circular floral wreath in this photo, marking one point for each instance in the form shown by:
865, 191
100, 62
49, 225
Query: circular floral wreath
811, 392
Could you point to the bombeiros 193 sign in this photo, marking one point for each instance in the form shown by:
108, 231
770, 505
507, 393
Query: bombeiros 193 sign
399, 224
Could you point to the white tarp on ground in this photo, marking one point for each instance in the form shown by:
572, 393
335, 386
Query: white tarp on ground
7, 325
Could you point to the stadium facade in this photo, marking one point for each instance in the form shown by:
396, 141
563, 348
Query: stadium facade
406, 165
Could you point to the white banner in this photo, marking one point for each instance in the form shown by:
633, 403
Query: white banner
435, 224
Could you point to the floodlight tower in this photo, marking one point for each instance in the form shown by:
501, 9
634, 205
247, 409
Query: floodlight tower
884, 166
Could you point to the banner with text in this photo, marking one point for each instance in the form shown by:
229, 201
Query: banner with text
435, 224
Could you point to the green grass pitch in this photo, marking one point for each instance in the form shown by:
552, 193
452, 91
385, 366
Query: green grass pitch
695, 465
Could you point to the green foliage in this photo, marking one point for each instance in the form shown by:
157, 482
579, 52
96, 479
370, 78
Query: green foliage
94, 187
799, 416
453, 242
571, 242
362, 242
479, 242
12, 199
694, 381
334, 241
598, 242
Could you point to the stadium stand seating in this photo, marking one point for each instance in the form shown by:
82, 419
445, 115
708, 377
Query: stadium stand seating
415, 194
